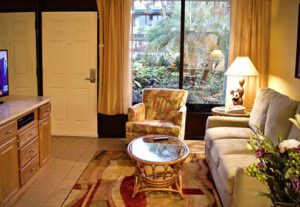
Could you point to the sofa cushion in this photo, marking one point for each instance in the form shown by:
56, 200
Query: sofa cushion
229, 165
228, 146
281, 108
217, 133
295, 132
259, 111
153, 127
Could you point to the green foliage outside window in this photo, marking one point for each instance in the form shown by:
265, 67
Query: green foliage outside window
206, 30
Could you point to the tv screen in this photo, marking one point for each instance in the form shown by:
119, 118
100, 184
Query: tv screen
3, 73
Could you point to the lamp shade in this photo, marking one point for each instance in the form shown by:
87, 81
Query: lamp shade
243, 67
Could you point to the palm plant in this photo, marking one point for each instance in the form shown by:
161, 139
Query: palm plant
203, 33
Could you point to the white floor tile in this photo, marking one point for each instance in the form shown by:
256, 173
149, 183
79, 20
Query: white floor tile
70, 155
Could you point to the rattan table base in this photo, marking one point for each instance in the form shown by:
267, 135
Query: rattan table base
157, 159
158, 181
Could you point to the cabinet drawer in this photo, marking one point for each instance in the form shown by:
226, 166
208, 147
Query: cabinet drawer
8, 131
29, 170
44, 111
28, 135
28, 152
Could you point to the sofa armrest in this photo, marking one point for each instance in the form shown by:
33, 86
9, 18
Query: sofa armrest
136, 112
226, 121
245, 191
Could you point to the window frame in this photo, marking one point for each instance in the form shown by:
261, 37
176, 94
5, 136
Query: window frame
191, 107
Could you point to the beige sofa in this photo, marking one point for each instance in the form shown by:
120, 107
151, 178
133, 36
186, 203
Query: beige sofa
226, 146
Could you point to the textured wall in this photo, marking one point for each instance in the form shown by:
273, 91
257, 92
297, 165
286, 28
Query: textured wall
283, 46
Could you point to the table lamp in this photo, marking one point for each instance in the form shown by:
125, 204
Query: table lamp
242, 67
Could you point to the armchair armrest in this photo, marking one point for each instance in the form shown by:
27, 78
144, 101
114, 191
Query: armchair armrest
180, 116
226, 121
136, 112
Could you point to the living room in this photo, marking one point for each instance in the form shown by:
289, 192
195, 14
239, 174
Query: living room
149, 102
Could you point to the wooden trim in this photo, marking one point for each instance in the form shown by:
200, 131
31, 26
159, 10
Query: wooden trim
182, 26
39, 51
17, 6
98, 55
69, 5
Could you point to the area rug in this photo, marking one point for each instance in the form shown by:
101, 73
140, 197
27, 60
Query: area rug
109, 178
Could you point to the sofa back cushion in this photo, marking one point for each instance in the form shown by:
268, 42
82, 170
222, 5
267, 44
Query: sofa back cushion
281, 108
295, 132
259, 111
163, 104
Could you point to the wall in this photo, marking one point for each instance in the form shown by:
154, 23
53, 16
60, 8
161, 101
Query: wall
283, 46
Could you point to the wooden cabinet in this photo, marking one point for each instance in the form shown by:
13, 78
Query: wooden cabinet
25, 144
9, 171
27, 172
27, 135
45, 139
28, 152
8, 131
44, 111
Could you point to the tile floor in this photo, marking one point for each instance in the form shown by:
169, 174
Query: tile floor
70, 157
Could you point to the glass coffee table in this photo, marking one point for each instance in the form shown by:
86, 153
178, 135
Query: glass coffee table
158, 160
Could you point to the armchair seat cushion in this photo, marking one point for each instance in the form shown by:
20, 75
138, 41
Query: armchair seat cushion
228, 146
229, 164
163, 112
217, 133
153, 127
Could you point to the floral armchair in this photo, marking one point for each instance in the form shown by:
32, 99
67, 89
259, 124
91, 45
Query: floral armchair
162, 112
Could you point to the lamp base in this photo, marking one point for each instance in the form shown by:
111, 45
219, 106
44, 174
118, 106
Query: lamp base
241, 91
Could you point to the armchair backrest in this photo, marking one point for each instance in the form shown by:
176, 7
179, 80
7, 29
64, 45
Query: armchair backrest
163, 104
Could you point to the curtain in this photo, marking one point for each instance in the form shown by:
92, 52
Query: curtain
249, 36
115, 81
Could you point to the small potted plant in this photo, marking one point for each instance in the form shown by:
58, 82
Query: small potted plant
278, 167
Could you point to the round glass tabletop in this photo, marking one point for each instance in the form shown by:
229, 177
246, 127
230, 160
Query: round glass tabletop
158, 149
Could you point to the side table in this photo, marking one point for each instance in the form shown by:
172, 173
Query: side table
158, 160
222, 111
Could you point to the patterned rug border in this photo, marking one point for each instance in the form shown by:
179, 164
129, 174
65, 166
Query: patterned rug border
92, 188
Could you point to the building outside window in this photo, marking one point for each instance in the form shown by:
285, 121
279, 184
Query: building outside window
156, 54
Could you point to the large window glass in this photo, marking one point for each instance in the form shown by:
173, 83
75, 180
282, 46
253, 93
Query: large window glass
155, 45
206, 38
156, 41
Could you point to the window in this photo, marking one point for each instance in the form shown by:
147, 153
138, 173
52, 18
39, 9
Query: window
157, 57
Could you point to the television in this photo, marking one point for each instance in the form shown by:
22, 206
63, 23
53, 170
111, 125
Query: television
3, 73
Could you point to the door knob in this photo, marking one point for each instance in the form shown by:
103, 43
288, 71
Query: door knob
92, 77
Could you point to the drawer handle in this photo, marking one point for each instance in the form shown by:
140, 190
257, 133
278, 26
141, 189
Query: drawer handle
31, 151
32, 169
30, 134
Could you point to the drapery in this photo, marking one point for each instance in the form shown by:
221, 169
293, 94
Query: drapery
249, 36
114, 50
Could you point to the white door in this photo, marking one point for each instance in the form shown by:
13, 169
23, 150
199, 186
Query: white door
17, 35
69, 53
